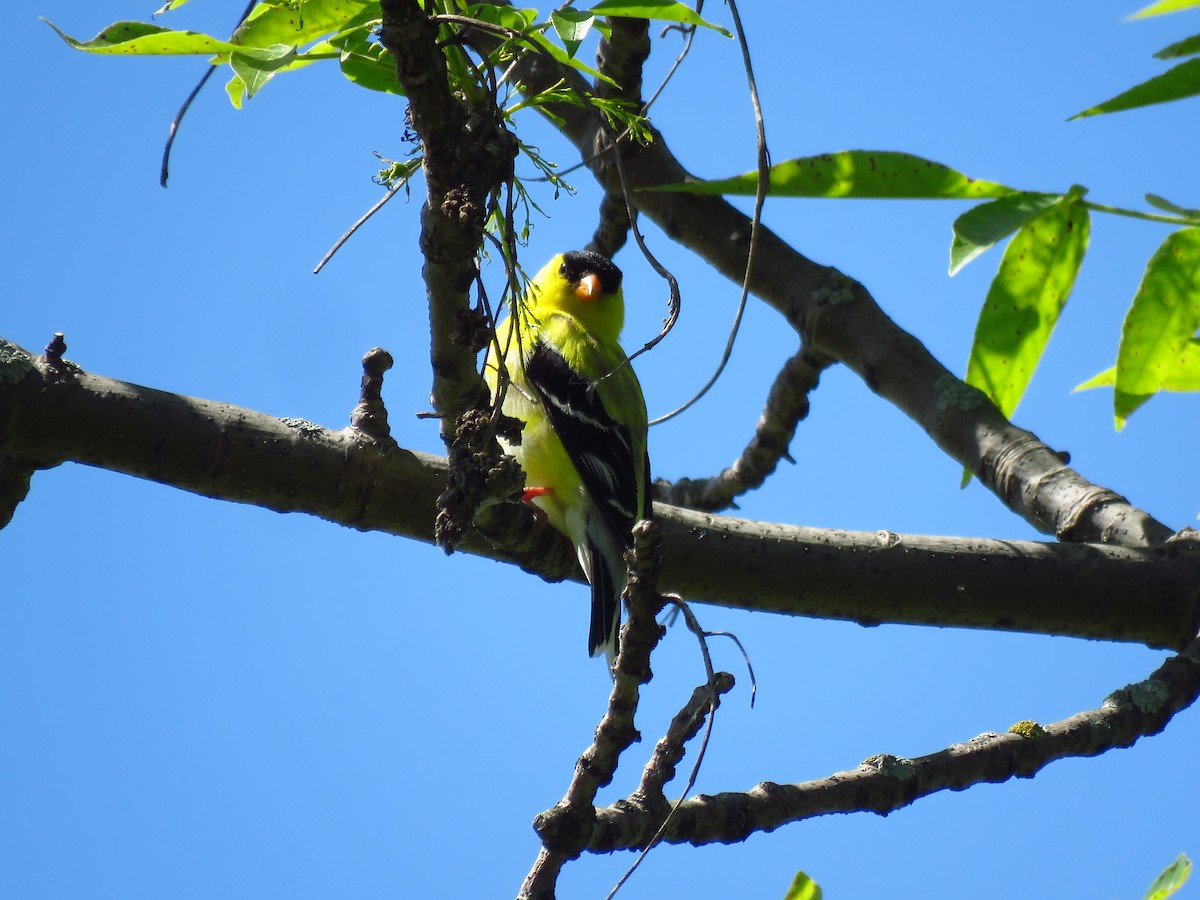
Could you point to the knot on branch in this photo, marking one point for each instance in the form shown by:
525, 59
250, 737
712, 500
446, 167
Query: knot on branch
459, 207
473, 331
641, 632
492, 149
566, 828
479, 472
55, 350
370, 415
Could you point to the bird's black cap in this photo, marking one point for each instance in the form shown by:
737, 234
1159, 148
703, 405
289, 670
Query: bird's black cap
578, 263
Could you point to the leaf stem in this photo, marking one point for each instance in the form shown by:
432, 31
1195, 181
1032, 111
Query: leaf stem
1135, 214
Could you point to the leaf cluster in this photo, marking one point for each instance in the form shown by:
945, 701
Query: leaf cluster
1047, 236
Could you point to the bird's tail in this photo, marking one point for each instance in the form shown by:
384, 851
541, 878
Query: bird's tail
608, 581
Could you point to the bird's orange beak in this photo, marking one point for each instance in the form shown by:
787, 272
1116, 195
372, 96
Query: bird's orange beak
588, 288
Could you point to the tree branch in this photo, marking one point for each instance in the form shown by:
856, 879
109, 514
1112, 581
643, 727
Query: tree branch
620, 57
454, 213
787, 405
468, 155
886, 783
50, 415
837, 317
565, 829
669, 751
461, 169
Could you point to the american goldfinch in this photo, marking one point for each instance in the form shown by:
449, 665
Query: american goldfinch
583, 447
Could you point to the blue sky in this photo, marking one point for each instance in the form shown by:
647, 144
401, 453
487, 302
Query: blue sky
204, 699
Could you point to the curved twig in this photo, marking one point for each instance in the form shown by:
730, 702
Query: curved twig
763, 157
787, 405
163, 171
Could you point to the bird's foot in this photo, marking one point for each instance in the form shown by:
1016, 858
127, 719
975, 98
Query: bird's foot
533, 493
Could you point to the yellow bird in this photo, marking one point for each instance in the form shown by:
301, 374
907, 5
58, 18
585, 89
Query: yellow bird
583, 447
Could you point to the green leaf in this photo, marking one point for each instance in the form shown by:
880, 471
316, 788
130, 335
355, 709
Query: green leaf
172, 4
982, 226
366, 62
286, 22
1124, 405
522, 21
1186, 47
1162, 7
1167, 206
254, 68
1107, 378
1159, 350
1024, 301
572, 26
803, 888
141, 39
1174, 84
1171, 879
659, 10
372, 68
853, 173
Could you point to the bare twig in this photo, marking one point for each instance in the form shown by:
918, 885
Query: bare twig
670, 749
566, 829
886, 783
787, 405
760, 196
362, 220
700, 711
163, 171
715, 685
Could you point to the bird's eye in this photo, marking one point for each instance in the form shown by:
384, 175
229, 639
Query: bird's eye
562, 270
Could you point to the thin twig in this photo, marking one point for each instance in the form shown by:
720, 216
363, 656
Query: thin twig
362, 220
163, 173
713, 681
566, 829
760, 196
786, 406
745, 656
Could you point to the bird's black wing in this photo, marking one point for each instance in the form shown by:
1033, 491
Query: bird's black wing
600, 447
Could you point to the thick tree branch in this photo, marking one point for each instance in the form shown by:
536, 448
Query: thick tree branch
461, 169
468, 155
53, 414
15, 476
453, 216
620, 57
886, 783
836, 316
